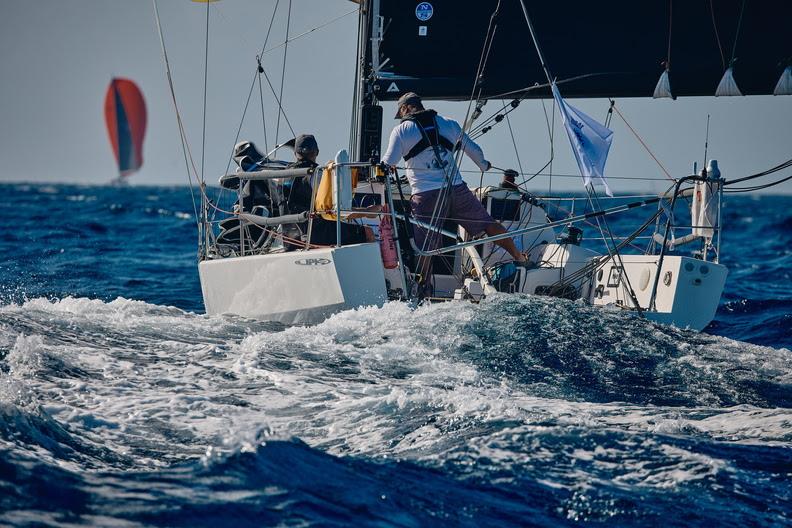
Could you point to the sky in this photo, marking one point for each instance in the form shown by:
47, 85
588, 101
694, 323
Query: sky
58, 58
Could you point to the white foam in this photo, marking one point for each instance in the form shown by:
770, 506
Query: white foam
161, 385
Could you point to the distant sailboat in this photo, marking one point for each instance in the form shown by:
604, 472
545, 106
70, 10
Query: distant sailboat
125, 115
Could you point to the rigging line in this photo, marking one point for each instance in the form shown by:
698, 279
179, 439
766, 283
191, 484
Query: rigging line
445, 190
283, 72
552, 153
599, 263
356, 83
706, 144
717, 37
182, 135
571, 220
241, 122
558, 82
758, 187
630, 289
609, 115
206, 81
765, 173
645, 146
260, 68
280, 106
236, 139
548, 174
670, 25
483, 59
259, 71
514, 142
552, 147
497, 117
737, 35
336, 19
247, 102
269, 29
536, 43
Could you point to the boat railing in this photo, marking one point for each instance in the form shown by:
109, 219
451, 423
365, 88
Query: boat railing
253, 244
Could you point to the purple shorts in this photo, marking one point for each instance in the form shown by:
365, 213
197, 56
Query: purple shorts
461, 207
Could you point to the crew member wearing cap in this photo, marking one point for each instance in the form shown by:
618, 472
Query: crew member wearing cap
507, 182
427, 142
297, 196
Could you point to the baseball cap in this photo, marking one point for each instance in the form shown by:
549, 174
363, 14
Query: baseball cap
408, 98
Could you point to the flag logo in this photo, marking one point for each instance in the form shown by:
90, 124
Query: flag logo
424, 11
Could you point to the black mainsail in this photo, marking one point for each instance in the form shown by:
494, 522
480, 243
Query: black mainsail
617, 48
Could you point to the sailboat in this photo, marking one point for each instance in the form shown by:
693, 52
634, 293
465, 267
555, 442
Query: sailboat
125, 117
252, 263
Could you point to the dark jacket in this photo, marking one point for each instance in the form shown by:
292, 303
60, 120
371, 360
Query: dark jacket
298, 191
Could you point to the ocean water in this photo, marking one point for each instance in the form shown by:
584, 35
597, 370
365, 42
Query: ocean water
121, 404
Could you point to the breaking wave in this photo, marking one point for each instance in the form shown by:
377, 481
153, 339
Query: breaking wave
520, 410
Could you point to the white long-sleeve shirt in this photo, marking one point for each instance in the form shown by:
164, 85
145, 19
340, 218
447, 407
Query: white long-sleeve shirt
423, 171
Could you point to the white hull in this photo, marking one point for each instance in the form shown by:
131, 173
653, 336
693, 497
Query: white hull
688, 289
305, 287
296, 287
687, 293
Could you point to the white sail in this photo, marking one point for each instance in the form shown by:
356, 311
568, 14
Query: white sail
663, 88
784, 86
727, 85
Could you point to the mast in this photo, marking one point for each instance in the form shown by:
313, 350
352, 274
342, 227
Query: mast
366, 137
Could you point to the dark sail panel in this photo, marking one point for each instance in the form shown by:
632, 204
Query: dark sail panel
616, 48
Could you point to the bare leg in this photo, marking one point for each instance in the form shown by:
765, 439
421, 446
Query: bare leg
369, 234
505, 243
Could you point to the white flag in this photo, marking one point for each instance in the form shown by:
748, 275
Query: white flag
590, 142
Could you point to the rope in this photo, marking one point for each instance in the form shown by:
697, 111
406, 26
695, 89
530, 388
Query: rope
641, 141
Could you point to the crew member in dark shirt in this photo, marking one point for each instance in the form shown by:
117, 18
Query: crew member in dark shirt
297, 196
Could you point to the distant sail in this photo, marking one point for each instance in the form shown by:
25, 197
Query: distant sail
125, 115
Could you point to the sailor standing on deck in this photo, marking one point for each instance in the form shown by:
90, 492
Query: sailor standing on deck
427, 142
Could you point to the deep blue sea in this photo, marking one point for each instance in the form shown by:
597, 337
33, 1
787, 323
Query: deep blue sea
121, 404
